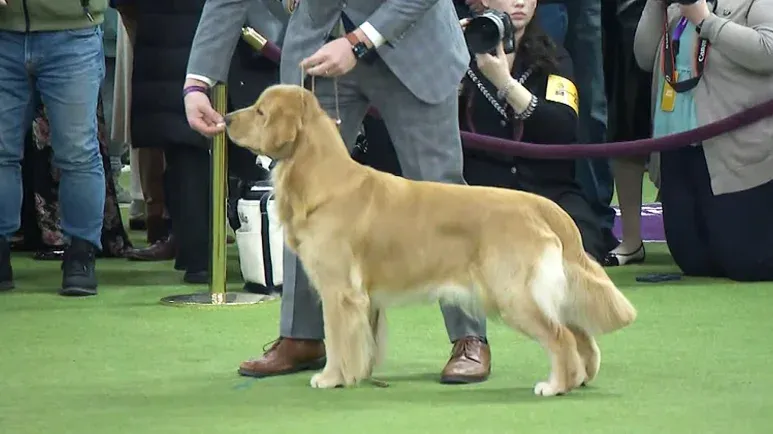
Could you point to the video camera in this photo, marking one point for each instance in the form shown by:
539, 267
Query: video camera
486, 30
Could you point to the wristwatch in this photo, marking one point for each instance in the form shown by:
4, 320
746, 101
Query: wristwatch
359, 48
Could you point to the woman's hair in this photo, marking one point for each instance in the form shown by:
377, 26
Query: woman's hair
537, 49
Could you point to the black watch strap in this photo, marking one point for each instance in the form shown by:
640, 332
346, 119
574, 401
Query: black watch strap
359, 48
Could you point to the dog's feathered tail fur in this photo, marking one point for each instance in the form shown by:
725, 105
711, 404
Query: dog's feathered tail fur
594, 302
591, 301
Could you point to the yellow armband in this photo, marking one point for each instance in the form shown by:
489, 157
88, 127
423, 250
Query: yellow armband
562, 91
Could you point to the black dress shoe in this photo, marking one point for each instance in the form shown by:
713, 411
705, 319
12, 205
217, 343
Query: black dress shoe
196, 277
6, 273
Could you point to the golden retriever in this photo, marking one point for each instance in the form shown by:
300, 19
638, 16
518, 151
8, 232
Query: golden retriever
368, 240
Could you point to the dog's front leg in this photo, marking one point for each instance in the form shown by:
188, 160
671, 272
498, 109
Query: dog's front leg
330, 376
348, 339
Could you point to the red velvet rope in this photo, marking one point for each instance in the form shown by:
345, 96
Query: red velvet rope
616, 149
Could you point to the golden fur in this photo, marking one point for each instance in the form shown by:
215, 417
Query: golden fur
369, 240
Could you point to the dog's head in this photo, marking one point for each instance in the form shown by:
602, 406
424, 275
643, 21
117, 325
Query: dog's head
271, 126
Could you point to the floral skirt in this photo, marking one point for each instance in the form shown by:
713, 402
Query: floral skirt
41, 229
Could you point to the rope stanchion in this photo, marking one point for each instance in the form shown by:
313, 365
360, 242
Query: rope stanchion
218, 294
572, 151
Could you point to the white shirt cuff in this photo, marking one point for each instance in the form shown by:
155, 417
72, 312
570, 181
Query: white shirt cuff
207, 80
375, 37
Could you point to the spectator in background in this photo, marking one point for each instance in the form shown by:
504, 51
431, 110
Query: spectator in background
150, 159
174, 160
163, 35
41, 230
121, 123
582, 37
116, 148
529, 73
716, 195
584, 43
553, 19
53, 49
629, 91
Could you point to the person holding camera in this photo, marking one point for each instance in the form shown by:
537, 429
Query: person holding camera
525, 92
711, 61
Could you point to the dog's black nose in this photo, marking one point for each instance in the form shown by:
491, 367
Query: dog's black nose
227, 119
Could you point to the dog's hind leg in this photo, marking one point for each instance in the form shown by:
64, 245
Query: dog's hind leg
589, 352
538, 315
567, 370
348, 338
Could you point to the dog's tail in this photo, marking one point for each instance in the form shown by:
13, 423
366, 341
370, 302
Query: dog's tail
594, 302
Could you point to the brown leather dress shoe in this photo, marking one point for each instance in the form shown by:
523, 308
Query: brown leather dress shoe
470, 362
286, 356
162, 250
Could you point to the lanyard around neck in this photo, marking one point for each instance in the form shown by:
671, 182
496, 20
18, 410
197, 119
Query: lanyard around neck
670, 49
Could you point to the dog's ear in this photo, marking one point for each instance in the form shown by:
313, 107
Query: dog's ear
283, 122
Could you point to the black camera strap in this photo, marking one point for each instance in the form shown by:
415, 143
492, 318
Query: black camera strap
86, 10
670, 50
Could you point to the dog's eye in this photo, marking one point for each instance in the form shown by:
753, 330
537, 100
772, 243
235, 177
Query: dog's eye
259, 111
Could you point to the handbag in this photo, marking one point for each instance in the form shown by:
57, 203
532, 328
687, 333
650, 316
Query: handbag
260, 239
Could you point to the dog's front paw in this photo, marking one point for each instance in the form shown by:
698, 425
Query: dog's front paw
324, 380
545, 388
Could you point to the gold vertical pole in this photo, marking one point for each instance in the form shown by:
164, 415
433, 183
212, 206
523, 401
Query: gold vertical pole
218, 169
217, 295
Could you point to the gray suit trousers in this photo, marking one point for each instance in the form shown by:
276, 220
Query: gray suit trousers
428, 146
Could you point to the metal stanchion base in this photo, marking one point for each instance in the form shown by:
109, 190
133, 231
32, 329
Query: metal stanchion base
217, 299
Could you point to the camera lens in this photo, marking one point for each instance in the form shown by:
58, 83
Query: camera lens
484, 33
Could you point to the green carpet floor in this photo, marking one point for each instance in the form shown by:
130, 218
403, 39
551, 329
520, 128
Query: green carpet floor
696, 361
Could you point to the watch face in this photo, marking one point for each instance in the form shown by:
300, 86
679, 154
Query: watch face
360, 50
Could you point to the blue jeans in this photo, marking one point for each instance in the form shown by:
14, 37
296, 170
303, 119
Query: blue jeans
63, 70
552, 18
584, 45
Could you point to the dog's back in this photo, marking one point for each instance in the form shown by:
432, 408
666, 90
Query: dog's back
494, 242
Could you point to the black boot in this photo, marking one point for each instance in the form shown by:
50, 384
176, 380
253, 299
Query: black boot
78, 274
6, 273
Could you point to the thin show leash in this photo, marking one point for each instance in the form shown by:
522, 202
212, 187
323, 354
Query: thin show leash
335, 93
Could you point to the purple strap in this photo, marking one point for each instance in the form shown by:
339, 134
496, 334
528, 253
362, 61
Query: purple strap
680, 28
192, 89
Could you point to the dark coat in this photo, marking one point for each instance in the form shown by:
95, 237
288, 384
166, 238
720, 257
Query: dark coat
628, 87
165, 31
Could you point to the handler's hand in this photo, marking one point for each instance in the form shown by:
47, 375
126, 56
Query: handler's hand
334, 59
201, 116
496, 69
463, 22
